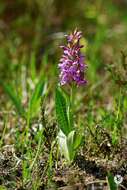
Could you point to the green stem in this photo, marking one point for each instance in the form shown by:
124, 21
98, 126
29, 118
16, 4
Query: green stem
71, 107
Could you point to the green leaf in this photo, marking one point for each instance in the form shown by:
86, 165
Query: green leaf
62, 141
77, 139
111, 183
61, 112
66, 145
70, 145
10, 91
36, 97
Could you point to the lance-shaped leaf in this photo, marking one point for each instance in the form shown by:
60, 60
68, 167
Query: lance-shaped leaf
66, 145
35, 99
70, 145
61, 112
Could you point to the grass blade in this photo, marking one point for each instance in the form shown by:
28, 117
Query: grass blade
36, 97
9, 90
111, 183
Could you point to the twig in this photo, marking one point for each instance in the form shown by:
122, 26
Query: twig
123, 186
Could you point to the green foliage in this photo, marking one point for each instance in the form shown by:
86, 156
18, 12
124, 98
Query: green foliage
69, 138
66, 144
111, 183
70, 145
35, 98
77, 139
61, 112
10, 91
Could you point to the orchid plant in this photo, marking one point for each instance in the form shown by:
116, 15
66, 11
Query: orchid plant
71, 76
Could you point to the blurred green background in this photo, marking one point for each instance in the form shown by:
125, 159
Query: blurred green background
39, 25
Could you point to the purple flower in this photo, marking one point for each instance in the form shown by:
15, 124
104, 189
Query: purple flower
71, 64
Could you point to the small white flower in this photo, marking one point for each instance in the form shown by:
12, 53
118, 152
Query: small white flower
118, 179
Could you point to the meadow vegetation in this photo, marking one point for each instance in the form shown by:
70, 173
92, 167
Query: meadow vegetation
60, 137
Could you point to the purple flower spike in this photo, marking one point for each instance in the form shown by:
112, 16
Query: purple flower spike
71, 64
